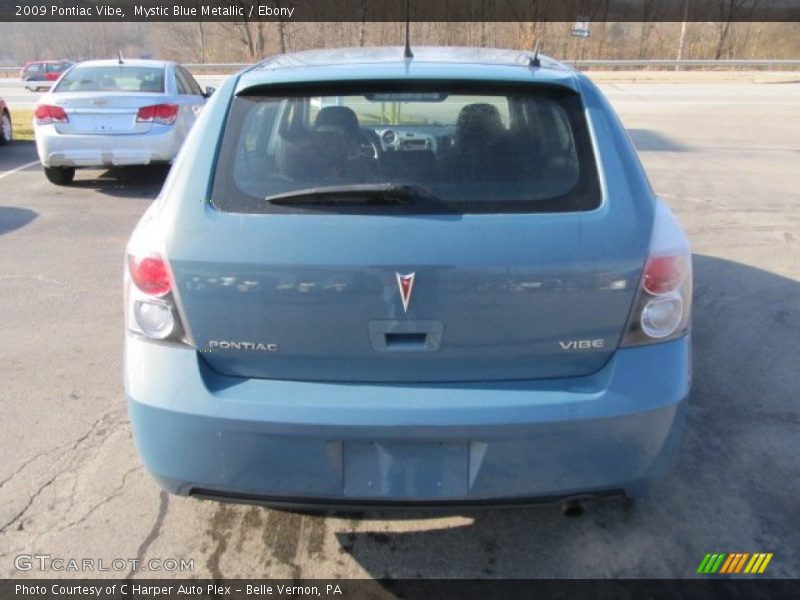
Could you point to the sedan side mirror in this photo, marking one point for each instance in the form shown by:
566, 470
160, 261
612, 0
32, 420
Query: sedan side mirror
209, 91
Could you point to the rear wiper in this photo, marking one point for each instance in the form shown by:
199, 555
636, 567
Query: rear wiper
362, 194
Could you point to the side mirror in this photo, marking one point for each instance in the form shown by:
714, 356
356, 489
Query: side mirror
209, 91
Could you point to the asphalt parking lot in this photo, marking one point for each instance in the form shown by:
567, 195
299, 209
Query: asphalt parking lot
724, 156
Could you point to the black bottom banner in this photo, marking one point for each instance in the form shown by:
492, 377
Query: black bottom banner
356, 589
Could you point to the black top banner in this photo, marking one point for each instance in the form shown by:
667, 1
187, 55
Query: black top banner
400, 10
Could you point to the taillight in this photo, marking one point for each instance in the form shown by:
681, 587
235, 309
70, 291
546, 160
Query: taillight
163, 114
661, 316
663, 274
47, 113
156, 320
662, 309
150, 274
150, 306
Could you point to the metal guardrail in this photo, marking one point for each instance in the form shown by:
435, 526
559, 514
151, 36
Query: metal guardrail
588, 63
723, 64
191, 66
221, 66
614, 63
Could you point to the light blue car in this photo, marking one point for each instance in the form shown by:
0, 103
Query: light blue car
373, 280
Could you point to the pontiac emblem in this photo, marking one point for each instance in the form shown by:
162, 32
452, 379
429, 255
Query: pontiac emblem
406, 284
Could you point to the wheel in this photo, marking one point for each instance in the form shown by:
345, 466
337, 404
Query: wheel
6, 131
59, 175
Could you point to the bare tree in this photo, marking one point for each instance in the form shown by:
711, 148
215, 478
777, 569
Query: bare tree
531, 31
362, 26
729, 10
604, 18
684, 28
650, 10
754, 50
281, 29
246, 41
250, 34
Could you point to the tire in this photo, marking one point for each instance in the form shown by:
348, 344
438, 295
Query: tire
60, 175
6, 130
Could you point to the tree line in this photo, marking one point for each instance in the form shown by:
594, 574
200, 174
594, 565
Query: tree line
247, 41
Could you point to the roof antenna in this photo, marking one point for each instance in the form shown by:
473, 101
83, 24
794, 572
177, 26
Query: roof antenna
120, 58
534, 61
407, 52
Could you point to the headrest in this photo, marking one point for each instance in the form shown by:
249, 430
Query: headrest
337, 118
478, 122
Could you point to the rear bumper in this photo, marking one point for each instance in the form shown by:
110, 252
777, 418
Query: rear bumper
65, 150
199, 432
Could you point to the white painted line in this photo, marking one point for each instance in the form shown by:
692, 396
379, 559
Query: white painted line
18, 169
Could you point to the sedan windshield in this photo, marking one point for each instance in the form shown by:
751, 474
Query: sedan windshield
118, 78
461, 148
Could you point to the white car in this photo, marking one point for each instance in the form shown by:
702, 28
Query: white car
115, 112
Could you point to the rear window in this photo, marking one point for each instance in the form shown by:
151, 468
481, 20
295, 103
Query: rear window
466, 149
118, 78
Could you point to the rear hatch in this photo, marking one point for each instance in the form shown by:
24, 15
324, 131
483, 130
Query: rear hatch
493, 259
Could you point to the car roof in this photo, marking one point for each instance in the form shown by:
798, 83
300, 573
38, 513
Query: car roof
389, 63
134, 62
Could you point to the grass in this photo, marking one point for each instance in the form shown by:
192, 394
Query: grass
22, 120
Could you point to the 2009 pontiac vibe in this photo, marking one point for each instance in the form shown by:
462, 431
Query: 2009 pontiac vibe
373, 279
